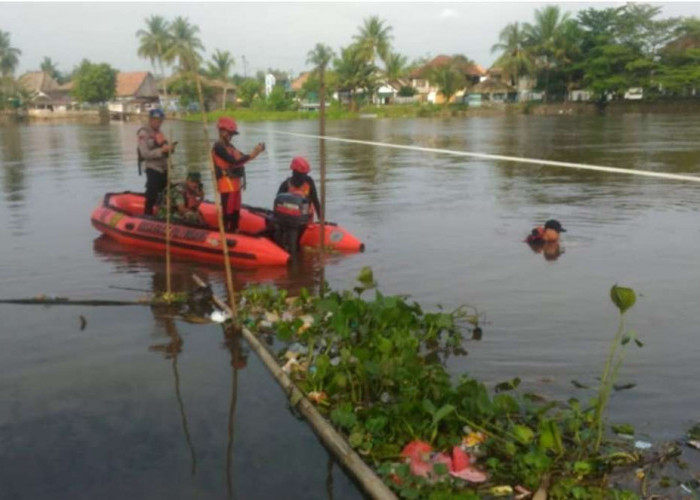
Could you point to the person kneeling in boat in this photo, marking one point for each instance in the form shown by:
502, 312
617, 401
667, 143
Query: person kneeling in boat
185, 198
301, 183
229, 165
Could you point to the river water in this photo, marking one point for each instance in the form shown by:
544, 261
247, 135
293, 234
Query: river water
106, 411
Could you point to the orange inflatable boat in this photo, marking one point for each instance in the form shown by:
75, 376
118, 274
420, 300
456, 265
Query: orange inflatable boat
120, 216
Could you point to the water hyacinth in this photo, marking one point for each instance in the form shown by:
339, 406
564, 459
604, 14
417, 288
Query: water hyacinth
375, 368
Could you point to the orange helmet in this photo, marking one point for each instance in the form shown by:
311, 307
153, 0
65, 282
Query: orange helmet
228, 124
299, 164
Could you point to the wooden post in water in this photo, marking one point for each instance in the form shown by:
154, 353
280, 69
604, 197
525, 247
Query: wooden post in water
320, 56
322, 153
168, 173
334, 442
217, 202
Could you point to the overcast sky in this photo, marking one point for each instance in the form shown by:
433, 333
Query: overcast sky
276, 35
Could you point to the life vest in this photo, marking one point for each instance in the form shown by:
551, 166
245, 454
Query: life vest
536, 236
158, 138
192, 199
228, 177
304, 191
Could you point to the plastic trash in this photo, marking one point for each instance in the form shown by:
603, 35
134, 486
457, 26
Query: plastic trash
218, 316
421, 461
642, 445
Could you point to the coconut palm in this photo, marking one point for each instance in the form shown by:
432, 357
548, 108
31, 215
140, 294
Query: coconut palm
354, 72
544, 36
374, 38
9, 56
320, 57
395, 66
154, 43
516, 60
50, 67
220, 68
448, 79
185, 46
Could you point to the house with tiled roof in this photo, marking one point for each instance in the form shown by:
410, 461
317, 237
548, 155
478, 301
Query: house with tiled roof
135, 93
427, 92
45, 93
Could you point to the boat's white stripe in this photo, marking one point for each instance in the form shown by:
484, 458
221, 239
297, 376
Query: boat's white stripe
484, 156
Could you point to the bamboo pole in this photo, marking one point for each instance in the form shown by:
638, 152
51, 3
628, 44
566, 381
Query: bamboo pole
168, 207
217, 202
336, 444
64, 301
322, 152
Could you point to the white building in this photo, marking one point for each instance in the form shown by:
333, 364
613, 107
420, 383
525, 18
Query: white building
270, 82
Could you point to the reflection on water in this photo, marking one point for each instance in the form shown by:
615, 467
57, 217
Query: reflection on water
303, 273
446, 230
102, 151
14, 175
170, 351
550, 250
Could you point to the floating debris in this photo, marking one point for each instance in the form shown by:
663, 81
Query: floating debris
422, 461
642, 445
624, 387
218, 316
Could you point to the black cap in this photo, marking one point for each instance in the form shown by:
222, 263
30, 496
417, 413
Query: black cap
194, 176
554, 224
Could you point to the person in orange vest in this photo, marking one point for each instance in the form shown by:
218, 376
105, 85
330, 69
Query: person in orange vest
301, 183
153, 150
549, 233
229, 164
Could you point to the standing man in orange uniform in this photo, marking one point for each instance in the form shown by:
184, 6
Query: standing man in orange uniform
229, 164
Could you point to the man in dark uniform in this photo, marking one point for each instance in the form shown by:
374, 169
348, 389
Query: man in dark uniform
153, 151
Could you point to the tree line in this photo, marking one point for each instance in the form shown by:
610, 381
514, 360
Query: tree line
605, 51
602, 50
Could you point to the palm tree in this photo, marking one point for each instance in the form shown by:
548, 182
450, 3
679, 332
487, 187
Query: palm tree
354, 72
184, 46
9, 56
448, 79
544, 35
320, 57
220, 68
395, 66
516, 60
374, 39
154, 43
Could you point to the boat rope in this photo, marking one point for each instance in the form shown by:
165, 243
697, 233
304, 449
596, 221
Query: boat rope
515, 159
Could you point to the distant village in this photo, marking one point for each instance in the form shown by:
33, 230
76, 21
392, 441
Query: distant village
137, 92
622, 53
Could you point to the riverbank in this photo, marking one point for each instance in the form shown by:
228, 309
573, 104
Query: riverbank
462, 110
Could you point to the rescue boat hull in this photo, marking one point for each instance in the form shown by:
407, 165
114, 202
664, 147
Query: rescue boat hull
120, 218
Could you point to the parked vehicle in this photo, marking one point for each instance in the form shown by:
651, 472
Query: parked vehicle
634, 93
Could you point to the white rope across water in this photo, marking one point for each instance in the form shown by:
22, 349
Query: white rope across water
516, 159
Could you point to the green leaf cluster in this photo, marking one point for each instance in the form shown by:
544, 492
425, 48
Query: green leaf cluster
380, 362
